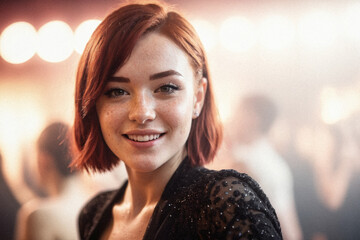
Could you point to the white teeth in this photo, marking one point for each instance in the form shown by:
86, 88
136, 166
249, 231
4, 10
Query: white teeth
143, 138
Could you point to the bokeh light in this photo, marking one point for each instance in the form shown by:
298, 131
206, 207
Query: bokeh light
56, 41
318, 29
207, 33
21, 117
338, 105
83, 33
237, 34
276, 33
18, 42
21, 120
352, 22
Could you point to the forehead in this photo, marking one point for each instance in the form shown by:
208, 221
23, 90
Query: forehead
154, 52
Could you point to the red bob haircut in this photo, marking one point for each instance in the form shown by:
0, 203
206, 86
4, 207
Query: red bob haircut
107, 50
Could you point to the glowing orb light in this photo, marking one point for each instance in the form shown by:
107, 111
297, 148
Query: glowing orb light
207, 33
18, 42
318, 29
237, 34
56, 41
352, 22
83, 33
276, 33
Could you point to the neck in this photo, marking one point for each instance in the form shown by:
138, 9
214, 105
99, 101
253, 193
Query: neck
145, 189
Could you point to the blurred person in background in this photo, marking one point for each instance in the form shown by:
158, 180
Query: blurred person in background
336, 156
312, 213
55, 216
8, 207
253, 153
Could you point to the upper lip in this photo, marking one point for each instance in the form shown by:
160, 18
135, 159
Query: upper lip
143, 132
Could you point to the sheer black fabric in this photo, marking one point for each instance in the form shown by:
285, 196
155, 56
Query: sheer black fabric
197, 203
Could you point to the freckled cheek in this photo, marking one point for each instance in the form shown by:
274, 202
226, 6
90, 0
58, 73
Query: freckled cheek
178, 114
110, 119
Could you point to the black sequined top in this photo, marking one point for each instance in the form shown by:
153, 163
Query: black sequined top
197, 203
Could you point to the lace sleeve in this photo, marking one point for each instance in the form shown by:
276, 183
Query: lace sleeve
238, 209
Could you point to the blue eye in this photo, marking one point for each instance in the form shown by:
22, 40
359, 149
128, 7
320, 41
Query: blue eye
115, 92
167, 88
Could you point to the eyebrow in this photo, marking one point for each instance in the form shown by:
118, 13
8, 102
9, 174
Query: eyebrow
152, 77
119, 79
164, 74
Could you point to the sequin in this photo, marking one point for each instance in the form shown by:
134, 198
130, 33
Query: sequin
236, 193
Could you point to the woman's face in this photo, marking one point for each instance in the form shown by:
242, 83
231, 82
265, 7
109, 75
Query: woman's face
147, 107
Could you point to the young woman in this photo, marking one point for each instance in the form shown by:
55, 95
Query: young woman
144, 97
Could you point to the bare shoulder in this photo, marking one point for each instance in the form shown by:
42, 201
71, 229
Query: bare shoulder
27, 219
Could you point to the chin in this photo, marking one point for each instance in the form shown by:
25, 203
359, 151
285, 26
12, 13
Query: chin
146, 164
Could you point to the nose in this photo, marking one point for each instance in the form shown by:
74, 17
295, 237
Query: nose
142, 109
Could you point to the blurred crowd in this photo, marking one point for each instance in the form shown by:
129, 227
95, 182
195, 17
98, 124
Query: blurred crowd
47, 207
311, 175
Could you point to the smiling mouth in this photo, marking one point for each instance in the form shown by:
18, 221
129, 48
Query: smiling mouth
143, 138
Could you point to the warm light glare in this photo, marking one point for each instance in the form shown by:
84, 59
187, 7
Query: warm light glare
318, 29
352, 22
18, 42
237, 34
207, 33
276, 33
332, 108
56, 41
21, 120
225, 112
83, 33
338, 105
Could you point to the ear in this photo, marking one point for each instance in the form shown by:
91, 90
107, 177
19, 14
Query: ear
200, 91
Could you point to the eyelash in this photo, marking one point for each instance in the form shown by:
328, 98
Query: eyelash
169, 88
120, 92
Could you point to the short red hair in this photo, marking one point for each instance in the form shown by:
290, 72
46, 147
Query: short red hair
107, 50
